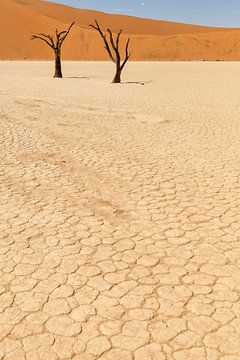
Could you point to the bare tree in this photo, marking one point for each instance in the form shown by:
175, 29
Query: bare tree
56, 44
112, 48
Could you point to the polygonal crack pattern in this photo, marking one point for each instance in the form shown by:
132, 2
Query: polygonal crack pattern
119, 237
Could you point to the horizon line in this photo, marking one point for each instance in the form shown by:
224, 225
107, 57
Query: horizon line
142, 17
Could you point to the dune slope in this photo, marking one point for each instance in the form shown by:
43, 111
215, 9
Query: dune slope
150, 39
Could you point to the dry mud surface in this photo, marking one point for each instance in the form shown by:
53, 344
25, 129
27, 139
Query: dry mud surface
119, 208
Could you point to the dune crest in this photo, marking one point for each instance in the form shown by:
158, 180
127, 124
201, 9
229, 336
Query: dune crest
150, 39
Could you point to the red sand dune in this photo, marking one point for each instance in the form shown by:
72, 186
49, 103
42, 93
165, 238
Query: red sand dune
150, 39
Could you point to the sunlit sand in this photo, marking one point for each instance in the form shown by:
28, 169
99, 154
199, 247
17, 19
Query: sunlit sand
119, 209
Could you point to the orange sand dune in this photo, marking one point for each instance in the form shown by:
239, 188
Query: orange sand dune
150, 39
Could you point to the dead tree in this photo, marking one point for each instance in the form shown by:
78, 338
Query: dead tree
112, 48
55, 42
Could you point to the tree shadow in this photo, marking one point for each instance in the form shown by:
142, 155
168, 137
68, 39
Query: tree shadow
78, 77
137, 82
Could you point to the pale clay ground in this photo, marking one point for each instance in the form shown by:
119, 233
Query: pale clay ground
119, 208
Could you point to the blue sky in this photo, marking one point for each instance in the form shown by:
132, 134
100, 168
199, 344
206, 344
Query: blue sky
205, 12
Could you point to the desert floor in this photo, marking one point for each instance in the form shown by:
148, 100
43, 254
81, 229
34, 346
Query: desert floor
119, 208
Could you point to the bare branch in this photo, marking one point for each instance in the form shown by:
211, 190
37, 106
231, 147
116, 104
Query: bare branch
97, 27
114, 46
65, 34
127, 56
42, 38
111, 39
48, 37
127, 47
49, 40
62, 32
118, 38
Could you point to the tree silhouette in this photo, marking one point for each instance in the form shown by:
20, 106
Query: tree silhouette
55, 42
112, 48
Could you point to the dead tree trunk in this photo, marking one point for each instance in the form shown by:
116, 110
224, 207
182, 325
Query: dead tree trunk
58, 65
56, 44
112, 48
117, 77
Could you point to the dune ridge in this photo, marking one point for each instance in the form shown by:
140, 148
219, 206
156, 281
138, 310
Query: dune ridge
150, 39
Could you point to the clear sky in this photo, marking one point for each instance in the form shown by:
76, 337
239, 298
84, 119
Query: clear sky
204, 12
